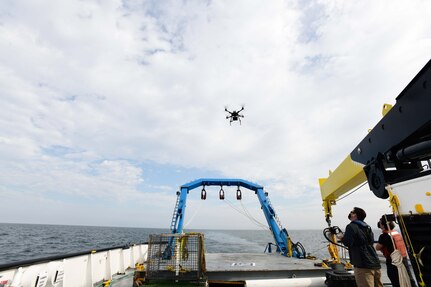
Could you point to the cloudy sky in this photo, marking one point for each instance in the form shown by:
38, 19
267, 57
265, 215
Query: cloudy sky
107, 107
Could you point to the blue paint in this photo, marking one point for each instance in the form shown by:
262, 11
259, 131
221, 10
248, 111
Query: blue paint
280, 234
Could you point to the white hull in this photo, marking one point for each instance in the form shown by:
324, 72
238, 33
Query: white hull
78, 271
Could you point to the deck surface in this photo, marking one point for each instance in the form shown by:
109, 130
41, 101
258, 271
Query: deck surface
228, 262
242, 266
255, 266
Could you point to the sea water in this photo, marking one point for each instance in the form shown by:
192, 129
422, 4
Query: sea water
30, 241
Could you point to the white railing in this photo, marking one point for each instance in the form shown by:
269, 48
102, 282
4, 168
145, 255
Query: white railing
78, 271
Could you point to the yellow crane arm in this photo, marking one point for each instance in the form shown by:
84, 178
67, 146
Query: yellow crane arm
346, 176
394, 158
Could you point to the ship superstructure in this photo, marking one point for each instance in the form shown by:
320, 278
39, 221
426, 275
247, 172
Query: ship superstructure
394, 159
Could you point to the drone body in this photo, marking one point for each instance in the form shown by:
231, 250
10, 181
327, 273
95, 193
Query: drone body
234, 115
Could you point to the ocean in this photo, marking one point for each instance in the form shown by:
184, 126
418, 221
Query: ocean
30, 241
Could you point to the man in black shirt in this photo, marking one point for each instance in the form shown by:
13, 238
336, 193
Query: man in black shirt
386, 246
359, 238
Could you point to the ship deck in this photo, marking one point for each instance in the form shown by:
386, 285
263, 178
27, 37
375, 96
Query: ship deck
252, 266
255, 266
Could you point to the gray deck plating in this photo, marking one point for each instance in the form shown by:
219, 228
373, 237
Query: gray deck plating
254, 266
242, 266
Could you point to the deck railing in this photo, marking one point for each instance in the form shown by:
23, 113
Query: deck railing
73, 270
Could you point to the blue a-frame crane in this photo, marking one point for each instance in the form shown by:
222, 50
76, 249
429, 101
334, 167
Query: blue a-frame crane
280, 234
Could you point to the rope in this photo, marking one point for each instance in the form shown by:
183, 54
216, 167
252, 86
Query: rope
397, 260
394, 204
261, 225
252, 218
194, 214
114, 280
244, 213
403, 276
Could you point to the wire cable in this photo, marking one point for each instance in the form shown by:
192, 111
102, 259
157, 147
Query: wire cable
252, 218
352, 191
194, 214
333, 230
394, 202
257, 223
262, 226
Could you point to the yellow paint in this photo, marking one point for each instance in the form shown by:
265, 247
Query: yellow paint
419, 208
333, 250
386, 109
327, 207
139, 267
344, 178
428, 193
393, 200
289, 247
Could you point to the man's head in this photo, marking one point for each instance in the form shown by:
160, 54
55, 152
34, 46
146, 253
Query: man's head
385, 224
357, 214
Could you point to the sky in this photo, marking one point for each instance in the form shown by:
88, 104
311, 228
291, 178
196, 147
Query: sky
107, 107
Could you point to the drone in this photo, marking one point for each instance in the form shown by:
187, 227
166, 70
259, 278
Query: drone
234, 115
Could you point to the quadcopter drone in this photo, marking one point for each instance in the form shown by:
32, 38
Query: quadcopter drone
234, 115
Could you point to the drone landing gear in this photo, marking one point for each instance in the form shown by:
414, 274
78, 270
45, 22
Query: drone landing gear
232, 120
234, 115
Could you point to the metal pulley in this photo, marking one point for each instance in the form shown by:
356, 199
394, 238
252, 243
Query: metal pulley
221, 193
238, 194
376, 177
203, 193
